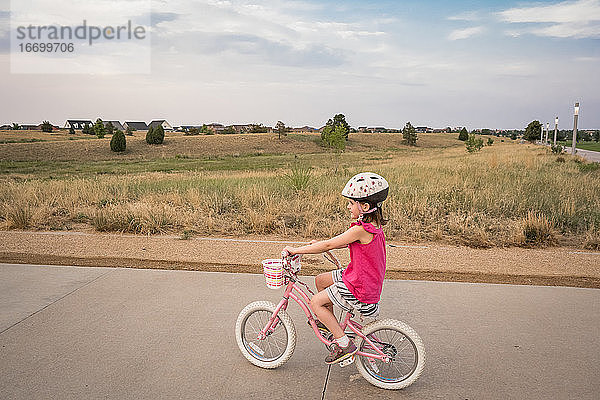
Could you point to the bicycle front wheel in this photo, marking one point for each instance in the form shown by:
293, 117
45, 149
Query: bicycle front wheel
404, 349
277, 347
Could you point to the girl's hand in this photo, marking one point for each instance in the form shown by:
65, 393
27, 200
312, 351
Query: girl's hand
288, 250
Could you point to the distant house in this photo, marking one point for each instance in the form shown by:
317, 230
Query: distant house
29, 127
304, 129
186, 128
161, 122
115, 124
78, 123
423, 129
216, 127
5, 127
242, 128
135, 125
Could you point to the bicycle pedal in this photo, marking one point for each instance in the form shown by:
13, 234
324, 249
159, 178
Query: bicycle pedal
347, 362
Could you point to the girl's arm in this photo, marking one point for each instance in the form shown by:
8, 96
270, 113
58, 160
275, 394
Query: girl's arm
353, 234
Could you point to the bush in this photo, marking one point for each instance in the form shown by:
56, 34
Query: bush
129, 131
118, 142
99, 129
46, 126
299, 177
334, 137
537, 229
473, 144
155, 135
71, 130
463, 135
409, 135
558, 149
490, 141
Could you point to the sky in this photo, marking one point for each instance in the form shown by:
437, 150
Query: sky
480, 64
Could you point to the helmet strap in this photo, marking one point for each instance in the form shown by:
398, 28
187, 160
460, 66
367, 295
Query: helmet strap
362, 213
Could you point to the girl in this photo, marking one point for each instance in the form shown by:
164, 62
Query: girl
359, 285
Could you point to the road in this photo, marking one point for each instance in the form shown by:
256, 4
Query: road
110, 333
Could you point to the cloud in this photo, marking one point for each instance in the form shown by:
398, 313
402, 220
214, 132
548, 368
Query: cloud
232, 46
465, 16
575, 19
465, 33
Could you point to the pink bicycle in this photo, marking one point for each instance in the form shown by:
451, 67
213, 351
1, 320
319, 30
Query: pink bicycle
390, 353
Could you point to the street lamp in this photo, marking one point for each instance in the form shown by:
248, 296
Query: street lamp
555, 129
542, 133
575, 117
546, 139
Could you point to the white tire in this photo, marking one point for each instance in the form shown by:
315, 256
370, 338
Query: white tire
277, 347
402, 344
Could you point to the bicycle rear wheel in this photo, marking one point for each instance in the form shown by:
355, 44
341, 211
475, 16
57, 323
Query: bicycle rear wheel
401, 344
277, 347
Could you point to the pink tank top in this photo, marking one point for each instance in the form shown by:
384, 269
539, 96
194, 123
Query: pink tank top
364, 275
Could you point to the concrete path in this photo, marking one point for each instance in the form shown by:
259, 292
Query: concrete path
588, 154
73, 333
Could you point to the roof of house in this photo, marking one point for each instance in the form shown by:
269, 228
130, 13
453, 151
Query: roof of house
79, 121
157, 122
137, 125
115, 124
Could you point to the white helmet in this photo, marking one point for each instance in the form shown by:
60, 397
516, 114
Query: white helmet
367, 187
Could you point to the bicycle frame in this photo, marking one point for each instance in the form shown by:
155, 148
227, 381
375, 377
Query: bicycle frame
303, 301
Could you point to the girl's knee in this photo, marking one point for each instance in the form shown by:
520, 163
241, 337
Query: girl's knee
323, 280
319, 300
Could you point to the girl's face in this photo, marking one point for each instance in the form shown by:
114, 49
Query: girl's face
355, 208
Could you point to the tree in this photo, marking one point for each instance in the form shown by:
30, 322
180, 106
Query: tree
99, 128
448, 129
159, 134
533, 131
129, 131
340, 120
118, 142
280, 128
46, 126
597, 136
473, 144
409, 134
334, 137
87, 130
490, 141
463, 135
71, 130
155, 135
110, 128
513, 136
258, 128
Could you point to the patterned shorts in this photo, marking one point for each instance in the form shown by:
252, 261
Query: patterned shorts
343, 298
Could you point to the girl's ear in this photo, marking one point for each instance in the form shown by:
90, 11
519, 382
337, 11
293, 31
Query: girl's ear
365, 207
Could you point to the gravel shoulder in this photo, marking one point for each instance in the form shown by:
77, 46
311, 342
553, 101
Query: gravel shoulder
549, 267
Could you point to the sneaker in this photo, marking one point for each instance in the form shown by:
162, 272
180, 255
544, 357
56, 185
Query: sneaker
340, 353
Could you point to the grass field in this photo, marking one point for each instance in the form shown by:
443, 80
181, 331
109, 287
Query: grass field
592, 146
508, 194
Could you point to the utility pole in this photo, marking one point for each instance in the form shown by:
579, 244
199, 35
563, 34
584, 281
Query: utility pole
555, 129
575, 117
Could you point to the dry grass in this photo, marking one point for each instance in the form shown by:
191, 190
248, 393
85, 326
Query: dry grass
506, 195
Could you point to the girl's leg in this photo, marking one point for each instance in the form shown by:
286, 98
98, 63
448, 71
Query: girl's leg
323, 281
321, 305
